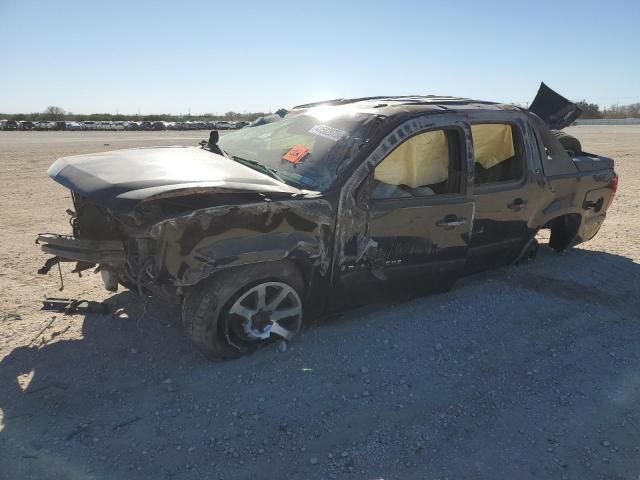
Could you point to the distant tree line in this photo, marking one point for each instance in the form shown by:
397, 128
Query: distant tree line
592, 110
54, 113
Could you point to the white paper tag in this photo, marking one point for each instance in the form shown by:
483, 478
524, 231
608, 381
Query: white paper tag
326, 131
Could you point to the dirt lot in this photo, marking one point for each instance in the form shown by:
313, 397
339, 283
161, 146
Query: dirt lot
525, 372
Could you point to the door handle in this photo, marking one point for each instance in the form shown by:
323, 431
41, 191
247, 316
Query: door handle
517, 204
451, 221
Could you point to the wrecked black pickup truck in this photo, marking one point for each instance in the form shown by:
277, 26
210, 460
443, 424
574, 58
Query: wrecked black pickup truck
337, 203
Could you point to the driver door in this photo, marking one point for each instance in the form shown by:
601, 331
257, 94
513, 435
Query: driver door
412, 217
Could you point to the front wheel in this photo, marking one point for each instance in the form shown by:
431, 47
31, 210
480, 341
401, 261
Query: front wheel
227, 317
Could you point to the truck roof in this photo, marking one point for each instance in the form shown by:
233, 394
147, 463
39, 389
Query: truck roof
388, 105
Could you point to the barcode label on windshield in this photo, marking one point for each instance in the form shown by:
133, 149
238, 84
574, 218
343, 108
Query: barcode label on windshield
326, 131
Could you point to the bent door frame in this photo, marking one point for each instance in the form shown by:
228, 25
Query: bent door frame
351, 216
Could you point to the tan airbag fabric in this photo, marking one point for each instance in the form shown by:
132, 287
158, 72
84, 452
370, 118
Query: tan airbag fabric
492, 143
421, 160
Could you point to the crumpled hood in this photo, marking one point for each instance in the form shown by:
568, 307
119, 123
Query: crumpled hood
122, 178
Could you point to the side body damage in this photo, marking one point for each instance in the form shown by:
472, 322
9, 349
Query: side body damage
194, 246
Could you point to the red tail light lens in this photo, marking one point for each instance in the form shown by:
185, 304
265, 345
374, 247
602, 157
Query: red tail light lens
614, 188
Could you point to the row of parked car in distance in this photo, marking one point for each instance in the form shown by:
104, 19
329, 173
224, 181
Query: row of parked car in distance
120, 125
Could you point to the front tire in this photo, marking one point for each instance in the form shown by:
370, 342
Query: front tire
236, 312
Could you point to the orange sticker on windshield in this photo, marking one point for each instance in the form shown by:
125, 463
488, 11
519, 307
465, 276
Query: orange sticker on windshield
296, 153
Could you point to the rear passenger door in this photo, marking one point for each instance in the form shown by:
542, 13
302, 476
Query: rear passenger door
503, 190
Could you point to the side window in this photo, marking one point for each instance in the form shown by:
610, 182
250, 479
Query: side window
423, 165
497, 152
555, 160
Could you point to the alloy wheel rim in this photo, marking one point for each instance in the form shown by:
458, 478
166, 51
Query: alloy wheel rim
266, 310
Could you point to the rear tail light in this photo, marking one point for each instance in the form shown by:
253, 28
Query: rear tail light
614, 188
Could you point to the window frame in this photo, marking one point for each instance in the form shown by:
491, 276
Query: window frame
519, 146
457, 154
550, 168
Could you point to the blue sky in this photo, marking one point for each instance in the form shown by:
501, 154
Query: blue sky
210, 56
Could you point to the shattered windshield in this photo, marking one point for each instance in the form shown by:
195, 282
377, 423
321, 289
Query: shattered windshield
303, 149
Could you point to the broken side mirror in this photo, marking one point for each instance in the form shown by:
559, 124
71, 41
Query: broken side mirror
214, 136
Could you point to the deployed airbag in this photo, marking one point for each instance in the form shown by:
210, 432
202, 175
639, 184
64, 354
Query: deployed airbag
421, 160
492, 143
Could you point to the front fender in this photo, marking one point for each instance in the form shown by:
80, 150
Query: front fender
195, 246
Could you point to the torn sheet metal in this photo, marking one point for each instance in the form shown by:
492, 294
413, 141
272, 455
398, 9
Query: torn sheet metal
197, 244
555, 110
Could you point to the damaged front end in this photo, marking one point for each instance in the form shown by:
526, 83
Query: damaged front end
157, 221
165, 246
98, 242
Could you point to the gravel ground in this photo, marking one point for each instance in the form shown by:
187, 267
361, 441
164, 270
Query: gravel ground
524, 372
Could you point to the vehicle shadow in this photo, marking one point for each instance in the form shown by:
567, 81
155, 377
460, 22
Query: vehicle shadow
52, 388
134, 384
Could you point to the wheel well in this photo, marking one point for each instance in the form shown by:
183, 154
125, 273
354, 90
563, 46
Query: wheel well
563, 230
247, 273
